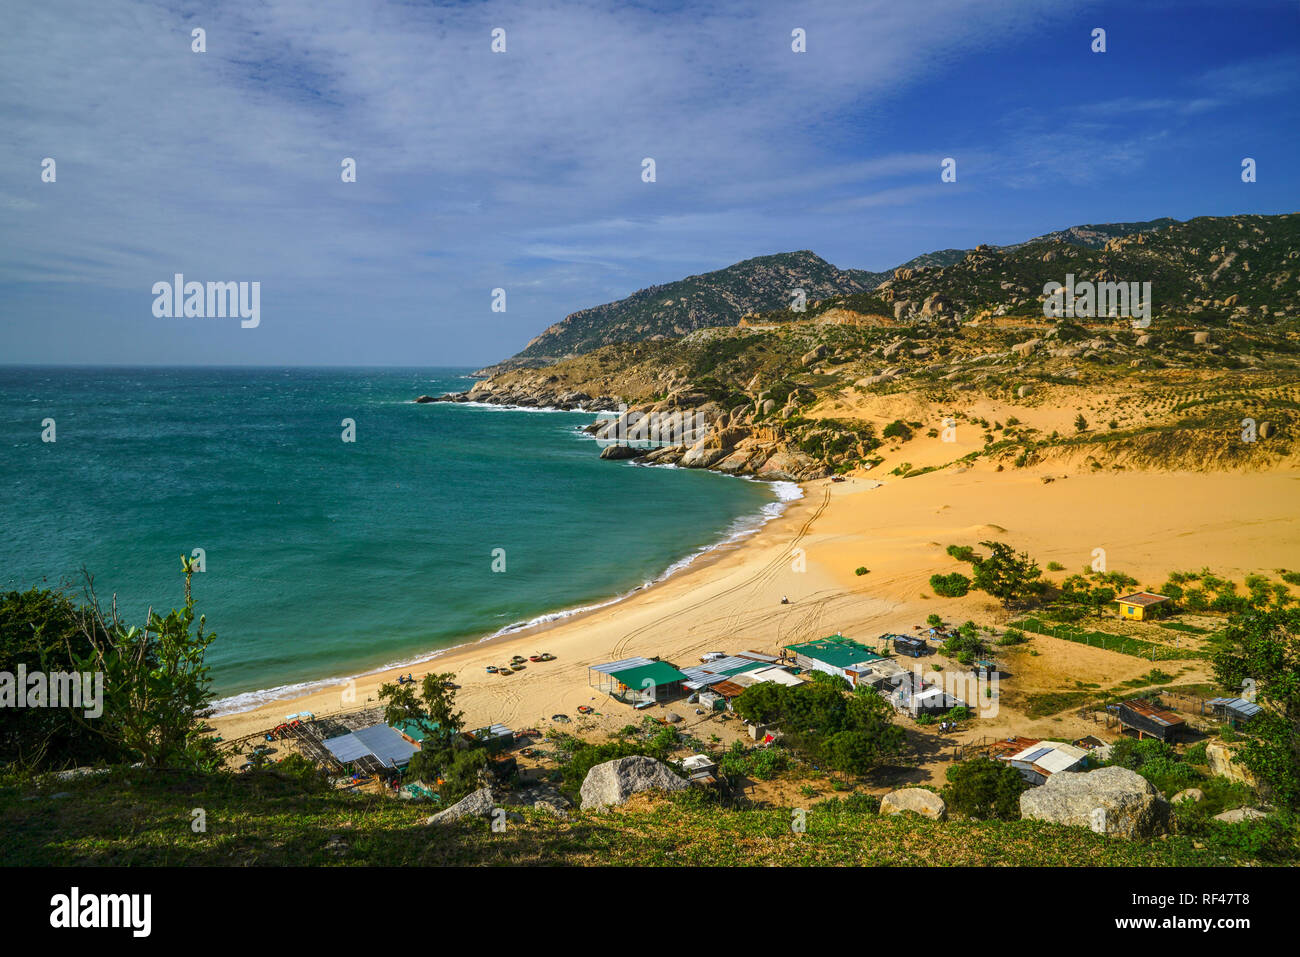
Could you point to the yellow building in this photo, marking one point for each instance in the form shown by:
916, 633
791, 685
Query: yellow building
1140, 605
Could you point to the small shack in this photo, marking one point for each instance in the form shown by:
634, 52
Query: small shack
1042, 759
1235, 711
495, 737
637, 680
1147, 719
906, 645
832, 655
1141, 605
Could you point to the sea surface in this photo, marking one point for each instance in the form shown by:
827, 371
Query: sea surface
325, 558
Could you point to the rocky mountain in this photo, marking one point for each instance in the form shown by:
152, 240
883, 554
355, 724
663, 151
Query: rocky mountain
805, 395
1207, 268
716, 298
722, 297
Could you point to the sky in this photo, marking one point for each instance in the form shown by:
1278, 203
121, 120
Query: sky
523, 170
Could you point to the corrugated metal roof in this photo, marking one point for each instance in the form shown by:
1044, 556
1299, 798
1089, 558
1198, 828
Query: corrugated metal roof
1148, 710
613, 666
379, 740
1143, 599
1246, 709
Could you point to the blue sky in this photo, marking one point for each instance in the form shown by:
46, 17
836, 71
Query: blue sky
522, 170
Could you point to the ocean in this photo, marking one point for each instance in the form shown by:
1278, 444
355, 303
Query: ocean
440, 524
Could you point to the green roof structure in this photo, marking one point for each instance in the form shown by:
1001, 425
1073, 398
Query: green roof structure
659, 672
836, 651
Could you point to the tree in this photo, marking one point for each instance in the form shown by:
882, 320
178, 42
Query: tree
1080, 423
1260, 650
156, 684
433, 711
1008, 577
40, 630
983, 788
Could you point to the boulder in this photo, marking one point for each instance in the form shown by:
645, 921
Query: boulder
917, 800
1195, 795
1024, 390
1200, 338
1266, 430
479, 804
1113, 801
1143, 341
1219, 757
809, 358
1027, 347
620, 452
615, 781
1237, 815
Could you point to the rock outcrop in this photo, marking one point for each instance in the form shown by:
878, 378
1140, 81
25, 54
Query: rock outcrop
478, 804
1113, 801
613, 782
1220, 759
917, 800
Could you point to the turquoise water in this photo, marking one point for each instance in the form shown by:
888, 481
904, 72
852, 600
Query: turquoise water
326, 558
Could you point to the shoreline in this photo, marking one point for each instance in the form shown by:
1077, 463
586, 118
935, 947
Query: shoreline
699, 559
729, 599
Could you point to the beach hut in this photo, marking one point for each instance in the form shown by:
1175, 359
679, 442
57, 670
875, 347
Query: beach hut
1141, 605
833, 655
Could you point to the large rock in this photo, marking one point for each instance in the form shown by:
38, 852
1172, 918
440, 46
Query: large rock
1113, 801
1219, 757
479, 804
1195, 795
615, 781
1237, 815
620, 452
917, 800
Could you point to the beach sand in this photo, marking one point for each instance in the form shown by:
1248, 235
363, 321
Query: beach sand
1148, 523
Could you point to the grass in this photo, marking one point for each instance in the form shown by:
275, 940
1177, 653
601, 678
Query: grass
137, 819
1137, 647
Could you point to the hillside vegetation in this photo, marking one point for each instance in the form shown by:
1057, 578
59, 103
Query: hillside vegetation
134, 819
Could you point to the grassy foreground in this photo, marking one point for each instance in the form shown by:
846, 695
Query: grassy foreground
130, 818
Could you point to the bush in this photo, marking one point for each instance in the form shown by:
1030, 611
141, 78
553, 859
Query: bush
934, 621
983, 788
897, 430
1055, 567
963, 553
1012, 636
950, 586
861, 570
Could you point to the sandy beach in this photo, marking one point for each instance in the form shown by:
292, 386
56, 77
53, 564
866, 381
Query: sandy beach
1149, 523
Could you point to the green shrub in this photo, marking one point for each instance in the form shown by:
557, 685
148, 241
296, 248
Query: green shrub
953, 585
983, 788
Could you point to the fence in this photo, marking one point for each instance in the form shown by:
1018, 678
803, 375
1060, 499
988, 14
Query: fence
1137, 647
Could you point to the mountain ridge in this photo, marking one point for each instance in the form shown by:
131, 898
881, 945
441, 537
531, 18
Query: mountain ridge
722, 297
